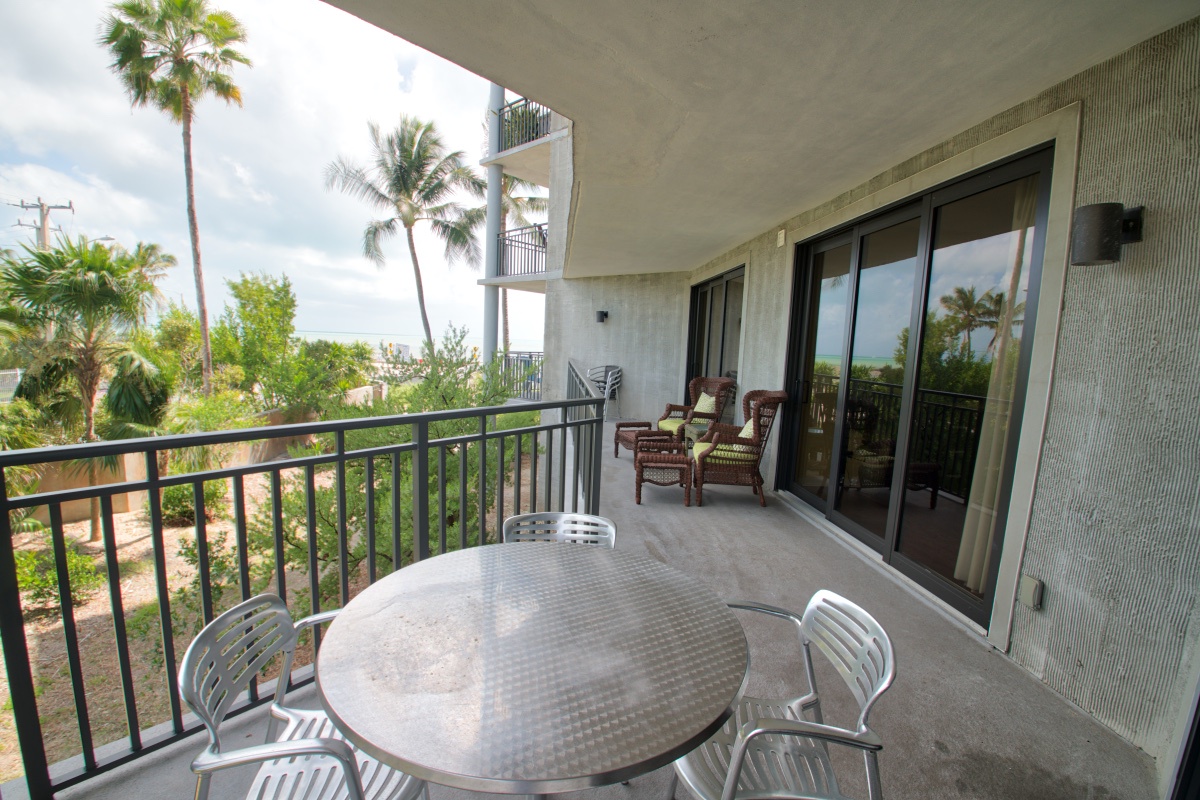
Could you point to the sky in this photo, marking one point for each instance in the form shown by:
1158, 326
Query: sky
68, 134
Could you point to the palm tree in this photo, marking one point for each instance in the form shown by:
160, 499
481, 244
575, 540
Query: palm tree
517, 208
170, 54
412, 179
967, 309
992, 317
81, 304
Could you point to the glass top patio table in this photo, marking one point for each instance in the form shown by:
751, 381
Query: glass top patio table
531, 668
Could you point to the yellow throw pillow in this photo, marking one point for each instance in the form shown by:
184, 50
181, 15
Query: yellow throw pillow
747, 431
707, 404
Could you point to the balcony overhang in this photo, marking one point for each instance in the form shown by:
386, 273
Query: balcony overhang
700, 125
521, 283
530, 161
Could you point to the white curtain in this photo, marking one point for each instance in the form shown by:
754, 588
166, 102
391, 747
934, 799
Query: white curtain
979, 530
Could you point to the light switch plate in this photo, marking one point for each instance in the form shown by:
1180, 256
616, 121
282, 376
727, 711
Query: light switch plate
1030, 592
780, 238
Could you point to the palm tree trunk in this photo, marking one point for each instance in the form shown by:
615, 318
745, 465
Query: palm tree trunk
89, 387
194, 231
503, 291
504, 311
412, 251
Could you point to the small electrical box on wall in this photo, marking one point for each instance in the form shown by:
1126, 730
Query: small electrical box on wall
1030, 592
779, 238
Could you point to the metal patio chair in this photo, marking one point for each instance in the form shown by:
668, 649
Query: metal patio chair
608, 380
309, 759
779, 748
558, 526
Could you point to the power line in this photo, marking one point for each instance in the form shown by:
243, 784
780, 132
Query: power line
43, 226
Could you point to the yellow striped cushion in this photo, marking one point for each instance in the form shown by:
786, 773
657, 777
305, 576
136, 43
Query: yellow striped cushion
671, 425
725, 452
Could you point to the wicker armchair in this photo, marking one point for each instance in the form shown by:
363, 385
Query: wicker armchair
676, 416
726, 454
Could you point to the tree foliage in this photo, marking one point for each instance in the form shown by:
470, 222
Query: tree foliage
447, 377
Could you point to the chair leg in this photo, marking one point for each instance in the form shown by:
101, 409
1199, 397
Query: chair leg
674, 784
637, 485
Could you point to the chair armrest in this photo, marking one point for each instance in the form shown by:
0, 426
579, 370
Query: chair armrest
209, 761
625, 425
675, 410
720, 428
763, 608
694, 415
864, 739
317, 619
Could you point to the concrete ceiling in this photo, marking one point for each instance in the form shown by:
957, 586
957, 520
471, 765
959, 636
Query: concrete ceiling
699, 124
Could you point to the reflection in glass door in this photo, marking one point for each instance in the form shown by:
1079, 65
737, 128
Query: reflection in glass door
967, 386
871, 410
828, 291
911, 448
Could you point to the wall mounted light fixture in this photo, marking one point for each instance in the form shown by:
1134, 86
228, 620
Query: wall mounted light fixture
1099, 231
601, 316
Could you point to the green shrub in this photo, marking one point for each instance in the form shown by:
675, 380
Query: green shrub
179, 507
38, 579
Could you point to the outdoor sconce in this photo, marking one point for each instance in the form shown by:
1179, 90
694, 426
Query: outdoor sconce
1100, 230
601, 316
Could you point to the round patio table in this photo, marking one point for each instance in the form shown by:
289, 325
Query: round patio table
532, 668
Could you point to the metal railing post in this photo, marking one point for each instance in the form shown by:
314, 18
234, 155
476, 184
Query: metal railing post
16, 659
597, 452
420, 499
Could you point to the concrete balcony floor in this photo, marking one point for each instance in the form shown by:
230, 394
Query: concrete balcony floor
961, 720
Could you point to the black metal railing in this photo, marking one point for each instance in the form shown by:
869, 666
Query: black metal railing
361, 498
587, 460
522, 251
522, 373
946, 425
522, 121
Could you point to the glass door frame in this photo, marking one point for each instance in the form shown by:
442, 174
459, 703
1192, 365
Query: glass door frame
802, 340
696, 360
1040, 162
1037, 160
904, 213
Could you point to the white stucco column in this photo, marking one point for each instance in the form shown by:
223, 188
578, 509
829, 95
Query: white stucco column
495, 176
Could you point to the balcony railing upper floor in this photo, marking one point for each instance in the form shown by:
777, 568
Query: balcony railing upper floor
523, 121
522, 251
353, 500
523, 141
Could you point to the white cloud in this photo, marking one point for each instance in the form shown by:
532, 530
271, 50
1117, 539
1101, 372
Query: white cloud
67, 133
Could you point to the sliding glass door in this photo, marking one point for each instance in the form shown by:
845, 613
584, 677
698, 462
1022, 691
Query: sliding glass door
909, 375
714, 344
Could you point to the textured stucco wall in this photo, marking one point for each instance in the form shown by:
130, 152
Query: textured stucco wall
1115, 528
647, 314
1115, 524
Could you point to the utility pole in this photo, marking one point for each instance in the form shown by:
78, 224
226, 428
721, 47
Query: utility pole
43, 227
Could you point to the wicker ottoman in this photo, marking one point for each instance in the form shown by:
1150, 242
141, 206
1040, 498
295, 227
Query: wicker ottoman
663, 469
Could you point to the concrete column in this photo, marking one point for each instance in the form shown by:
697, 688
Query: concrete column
495, 176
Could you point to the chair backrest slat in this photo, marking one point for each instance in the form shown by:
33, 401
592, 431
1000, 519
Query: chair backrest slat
551, 526
229, 652
855, 644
